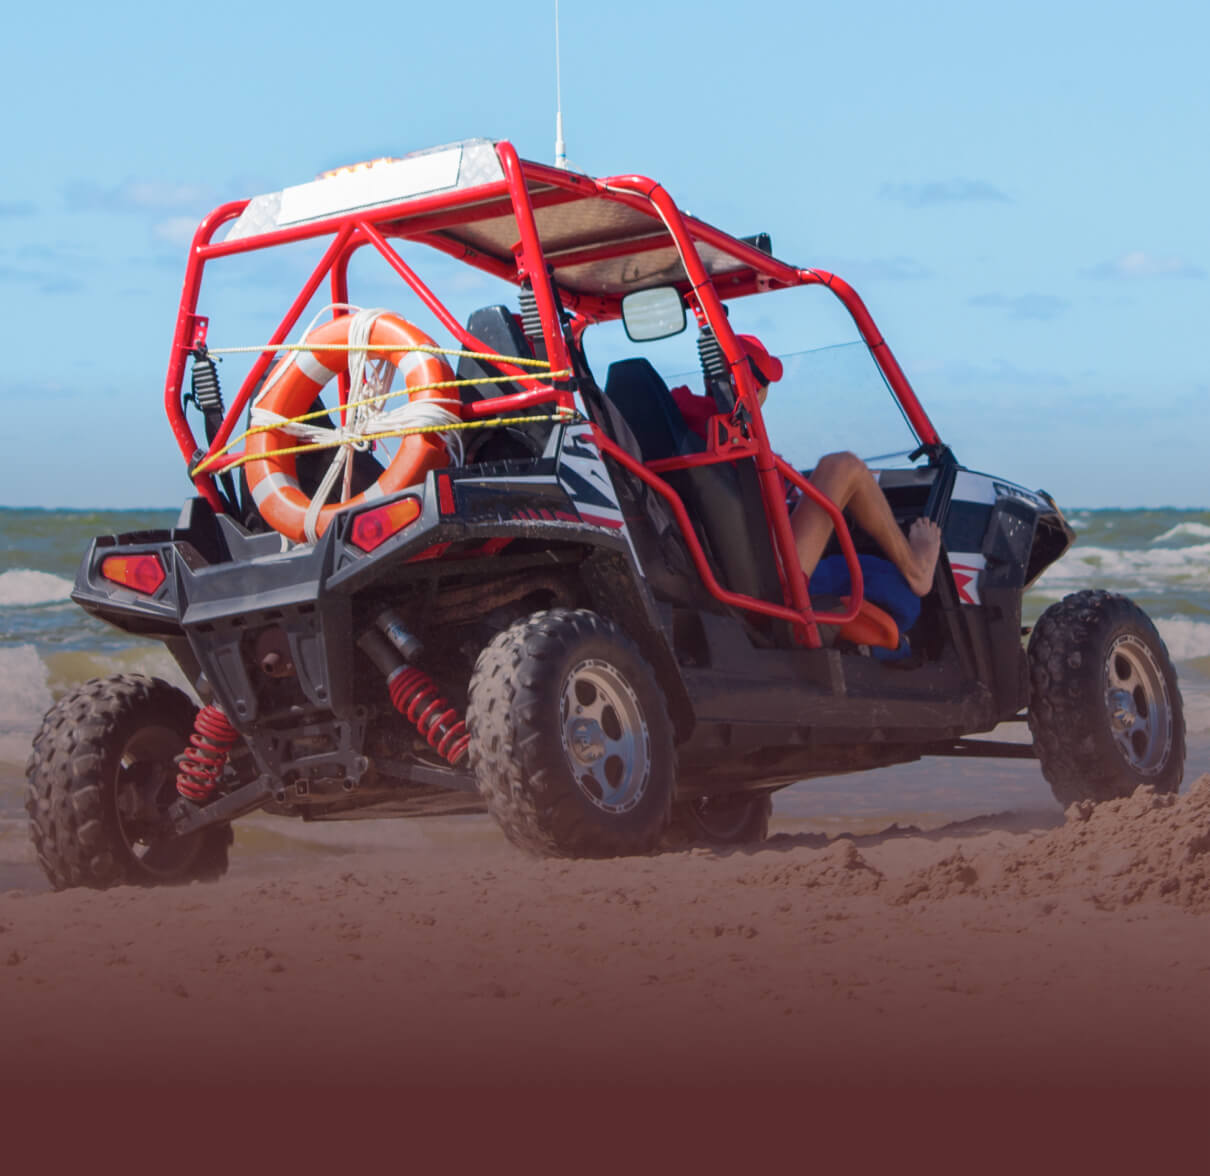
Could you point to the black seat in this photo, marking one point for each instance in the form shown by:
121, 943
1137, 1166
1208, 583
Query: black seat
724, 501
497, 327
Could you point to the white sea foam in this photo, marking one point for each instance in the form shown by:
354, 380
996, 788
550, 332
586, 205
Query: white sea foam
1185, 637
24, 587
1184, 531
24, 698
29, 685
1152, 568
1197, 711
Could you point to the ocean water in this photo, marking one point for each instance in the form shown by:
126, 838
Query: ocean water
1160, 558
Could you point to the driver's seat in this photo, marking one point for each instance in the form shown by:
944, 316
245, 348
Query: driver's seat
723, 501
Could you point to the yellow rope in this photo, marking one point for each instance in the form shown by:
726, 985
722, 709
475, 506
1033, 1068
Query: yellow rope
211, 459
565, 415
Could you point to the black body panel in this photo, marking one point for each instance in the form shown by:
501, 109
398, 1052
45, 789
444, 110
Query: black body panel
749, 712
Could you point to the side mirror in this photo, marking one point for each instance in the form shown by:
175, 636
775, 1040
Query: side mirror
657, 313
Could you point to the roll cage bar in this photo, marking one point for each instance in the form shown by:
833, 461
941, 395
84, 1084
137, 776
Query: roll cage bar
510, 203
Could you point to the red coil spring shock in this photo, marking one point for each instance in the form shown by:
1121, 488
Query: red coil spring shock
202, 762
417, 696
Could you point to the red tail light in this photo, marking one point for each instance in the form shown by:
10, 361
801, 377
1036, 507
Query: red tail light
143, 573
374, 527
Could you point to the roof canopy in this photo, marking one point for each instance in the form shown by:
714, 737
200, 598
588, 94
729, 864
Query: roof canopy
599, 239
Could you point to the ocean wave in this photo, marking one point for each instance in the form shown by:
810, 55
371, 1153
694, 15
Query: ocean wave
1154, 568
66, 669
23, 587
1184, 531
1197, 713
24, 698
29, 685
1185, 637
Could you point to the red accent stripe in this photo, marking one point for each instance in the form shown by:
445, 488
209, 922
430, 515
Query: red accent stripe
435, 552
445, 496
598, 521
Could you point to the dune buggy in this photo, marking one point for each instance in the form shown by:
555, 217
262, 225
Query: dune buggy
507, 583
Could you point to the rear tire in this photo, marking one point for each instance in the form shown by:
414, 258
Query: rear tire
740, 819
101, 777
1105, 710
571, 743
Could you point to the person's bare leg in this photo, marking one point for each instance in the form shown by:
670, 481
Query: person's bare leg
844, 478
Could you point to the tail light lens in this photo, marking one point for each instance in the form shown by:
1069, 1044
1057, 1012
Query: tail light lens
143, 573
374, 527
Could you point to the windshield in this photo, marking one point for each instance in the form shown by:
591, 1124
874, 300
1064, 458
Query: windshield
832, 395
835, 398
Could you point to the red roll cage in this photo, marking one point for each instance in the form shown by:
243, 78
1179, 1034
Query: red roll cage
577, 242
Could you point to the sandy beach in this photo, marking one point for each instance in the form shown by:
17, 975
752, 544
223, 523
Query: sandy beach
1039, 956
917, 953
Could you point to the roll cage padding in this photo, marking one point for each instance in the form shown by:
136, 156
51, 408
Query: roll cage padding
723, 499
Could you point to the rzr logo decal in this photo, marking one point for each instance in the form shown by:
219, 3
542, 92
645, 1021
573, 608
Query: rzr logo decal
586, 480
582, 491
578, 445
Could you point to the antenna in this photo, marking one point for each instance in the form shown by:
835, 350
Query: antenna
560, 145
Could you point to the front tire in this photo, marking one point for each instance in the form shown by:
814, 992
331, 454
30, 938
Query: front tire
571, 743
1105, 710
101, 777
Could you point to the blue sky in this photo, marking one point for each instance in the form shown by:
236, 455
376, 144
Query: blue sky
1018, 192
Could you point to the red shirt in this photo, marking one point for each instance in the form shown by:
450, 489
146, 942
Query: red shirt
697, 410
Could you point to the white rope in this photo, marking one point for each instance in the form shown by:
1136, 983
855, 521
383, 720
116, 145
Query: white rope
297, 350
369, 380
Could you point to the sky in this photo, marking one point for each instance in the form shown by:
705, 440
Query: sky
1017, 191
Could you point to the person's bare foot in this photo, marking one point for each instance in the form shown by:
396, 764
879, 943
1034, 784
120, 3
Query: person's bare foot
925, 541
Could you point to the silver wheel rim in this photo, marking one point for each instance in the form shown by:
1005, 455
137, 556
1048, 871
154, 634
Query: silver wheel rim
1138, 706
605, 737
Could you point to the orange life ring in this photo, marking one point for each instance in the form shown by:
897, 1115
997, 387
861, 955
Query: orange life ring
292, 388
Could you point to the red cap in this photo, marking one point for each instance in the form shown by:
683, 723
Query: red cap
769, 366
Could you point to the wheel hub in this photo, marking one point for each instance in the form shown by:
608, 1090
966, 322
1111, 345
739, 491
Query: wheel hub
605, 736
1122, 712
587, 740
1137, 704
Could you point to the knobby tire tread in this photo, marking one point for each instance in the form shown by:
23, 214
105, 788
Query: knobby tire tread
74, 760
1067, 713
515, 749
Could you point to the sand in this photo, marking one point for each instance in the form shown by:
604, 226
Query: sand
1066, 963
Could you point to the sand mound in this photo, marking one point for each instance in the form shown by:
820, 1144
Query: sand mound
950, 876
1143, 847
1146, 846
839, 869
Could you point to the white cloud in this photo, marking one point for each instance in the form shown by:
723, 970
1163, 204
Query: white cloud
932, 192
1023, 306
137, 196
176, 230
1139, 264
